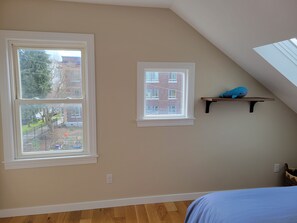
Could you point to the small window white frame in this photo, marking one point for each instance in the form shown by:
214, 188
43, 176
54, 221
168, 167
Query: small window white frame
187, 118
8, 96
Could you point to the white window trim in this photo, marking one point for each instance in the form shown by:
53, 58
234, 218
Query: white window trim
7, 96
166, 120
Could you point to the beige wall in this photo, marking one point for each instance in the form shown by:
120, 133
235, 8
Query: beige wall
227, 148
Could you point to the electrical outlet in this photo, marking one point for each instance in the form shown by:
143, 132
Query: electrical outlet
276, 168
109, 178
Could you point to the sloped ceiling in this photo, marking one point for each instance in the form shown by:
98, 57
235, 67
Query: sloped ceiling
236, 27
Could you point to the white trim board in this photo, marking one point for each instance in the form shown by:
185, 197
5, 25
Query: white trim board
98, 204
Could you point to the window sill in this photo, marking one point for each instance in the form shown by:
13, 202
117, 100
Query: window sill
165, 122
50, 161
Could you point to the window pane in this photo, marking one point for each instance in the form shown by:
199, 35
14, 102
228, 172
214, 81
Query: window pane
165, 96
172, 77
151, 77
50, 73
51, 128
172, 94
172, 109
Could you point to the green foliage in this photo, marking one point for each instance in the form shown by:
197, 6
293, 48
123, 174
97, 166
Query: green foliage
28, 114
36, 79
28, 128
36, 74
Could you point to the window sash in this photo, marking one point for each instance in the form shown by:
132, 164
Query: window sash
45, 46
50, 101
153, 93
18, 129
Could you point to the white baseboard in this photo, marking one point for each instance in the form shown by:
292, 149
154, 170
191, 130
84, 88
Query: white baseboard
98, 204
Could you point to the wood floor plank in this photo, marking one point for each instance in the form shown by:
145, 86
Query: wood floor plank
85, 221
162, 212
40, 218
86, 214
181, 206
109, 214
74, 217
102, 216
5, 220
152, 213
170, 206
18, 219
62, 217
52, 218
119, 215
188, 203
141, 214
170, 212
119, 212
175, 217
130, 214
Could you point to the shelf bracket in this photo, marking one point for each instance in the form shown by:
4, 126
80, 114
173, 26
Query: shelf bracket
208, 106
252, 105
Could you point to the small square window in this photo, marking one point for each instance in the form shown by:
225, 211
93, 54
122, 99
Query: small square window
160, 84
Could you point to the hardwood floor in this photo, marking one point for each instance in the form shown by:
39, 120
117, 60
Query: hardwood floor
172, 212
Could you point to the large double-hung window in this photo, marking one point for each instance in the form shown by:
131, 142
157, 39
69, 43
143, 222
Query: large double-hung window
47, 99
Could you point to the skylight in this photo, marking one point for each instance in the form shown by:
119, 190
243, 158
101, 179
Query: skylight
282, 56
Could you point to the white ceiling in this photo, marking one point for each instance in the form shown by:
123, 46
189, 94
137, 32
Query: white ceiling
236, 27
141, 3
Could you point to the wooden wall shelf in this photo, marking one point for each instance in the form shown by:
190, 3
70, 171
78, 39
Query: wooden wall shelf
251, 100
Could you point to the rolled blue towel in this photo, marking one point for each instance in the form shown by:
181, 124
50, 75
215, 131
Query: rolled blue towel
238, 92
